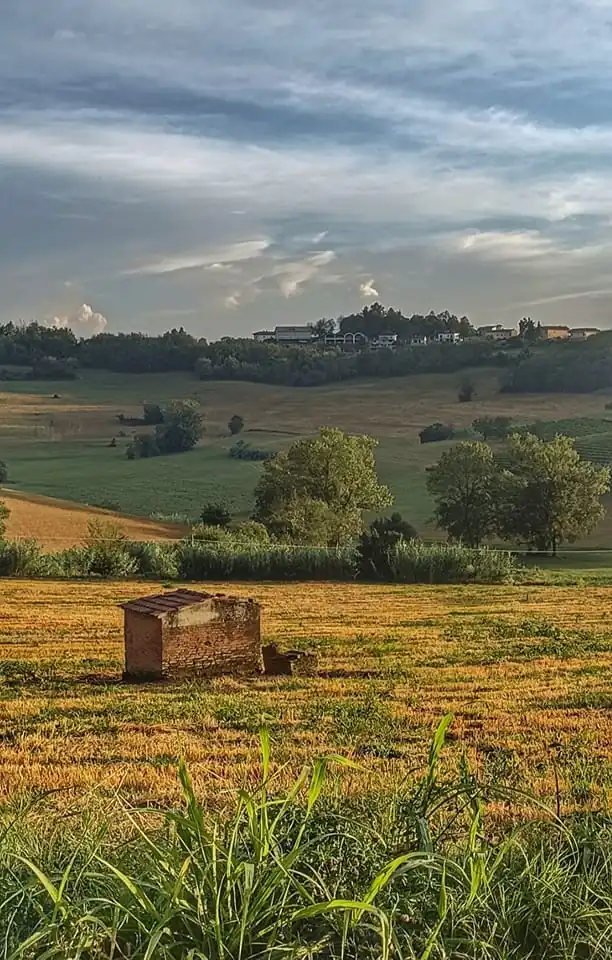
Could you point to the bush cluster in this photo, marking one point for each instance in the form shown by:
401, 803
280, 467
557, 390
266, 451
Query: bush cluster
246, 553
244, 451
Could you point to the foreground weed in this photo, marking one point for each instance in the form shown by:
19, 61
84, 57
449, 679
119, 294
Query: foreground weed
413, 876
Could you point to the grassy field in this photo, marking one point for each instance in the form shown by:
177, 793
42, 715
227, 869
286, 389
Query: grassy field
59, 447
527, 671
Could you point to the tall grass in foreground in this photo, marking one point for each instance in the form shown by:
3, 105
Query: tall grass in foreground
410, 876
407, 562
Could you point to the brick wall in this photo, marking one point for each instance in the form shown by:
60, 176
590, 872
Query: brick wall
220, 636
143, 646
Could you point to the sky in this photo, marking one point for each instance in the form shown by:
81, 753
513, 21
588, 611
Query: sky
229, 166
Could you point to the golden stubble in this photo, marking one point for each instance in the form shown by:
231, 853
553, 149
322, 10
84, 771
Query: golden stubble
527, 673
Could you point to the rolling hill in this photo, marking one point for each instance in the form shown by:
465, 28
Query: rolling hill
59, 446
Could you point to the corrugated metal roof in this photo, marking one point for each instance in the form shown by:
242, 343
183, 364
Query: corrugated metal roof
162, 603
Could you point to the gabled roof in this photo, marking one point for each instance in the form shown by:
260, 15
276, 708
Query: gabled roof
163, 603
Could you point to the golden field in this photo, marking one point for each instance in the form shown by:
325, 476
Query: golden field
58, 524
527, 673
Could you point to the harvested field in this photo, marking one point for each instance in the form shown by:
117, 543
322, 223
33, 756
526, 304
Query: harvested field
58, 524
526, 671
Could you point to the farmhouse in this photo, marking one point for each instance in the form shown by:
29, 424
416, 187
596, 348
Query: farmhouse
496, 332
554, 333
583, 333
293, 334
186, 633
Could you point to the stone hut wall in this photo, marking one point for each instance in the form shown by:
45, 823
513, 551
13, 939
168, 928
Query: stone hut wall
219, 636
143, 646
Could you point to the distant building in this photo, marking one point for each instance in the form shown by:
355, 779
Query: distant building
385, 341
419, 341
346, 341
583, 333
553, 333
447, 338
497, 332
287, 335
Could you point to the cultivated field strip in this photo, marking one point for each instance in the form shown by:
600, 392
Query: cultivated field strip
526, 671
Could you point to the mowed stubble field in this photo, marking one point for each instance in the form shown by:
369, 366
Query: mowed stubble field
527, 672
59, 447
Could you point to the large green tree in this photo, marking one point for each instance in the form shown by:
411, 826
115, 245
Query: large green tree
548, 493
182, 427
315, 492
463, 486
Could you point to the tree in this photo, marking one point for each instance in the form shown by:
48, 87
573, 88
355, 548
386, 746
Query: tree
235, 425
493, 428
315, 492
528, 331
549, 494
376, 544
182, 427
467, 392
324, 328
463, 485
215, 515
436, 432
143, 447
153, 414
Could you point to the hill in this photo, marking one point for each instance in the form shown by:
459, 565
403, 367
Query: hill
59, 446
58, 524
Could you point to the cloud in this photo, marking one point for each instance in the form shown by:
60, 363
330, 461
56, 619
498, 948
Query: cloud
368, 290
214, 260
293, 275
471, 139
83, 322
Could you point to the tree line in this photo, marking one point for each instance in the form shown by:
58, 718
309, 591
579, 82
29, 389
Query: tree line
56, 353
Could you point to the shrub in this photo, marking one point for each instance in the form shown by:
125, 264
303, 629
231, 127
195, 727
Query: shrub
153, 414
467, 392
22, 558
157, 560
4, 515
493, 428
376, 543
109, 550
250, 531
143, 447
436, 432
417, 562
50, 368
216, 515
75, 562
244, 451
235, 425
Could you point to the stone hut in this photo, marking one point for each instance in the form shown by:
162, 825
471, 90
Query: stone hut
185, 633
